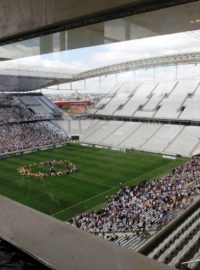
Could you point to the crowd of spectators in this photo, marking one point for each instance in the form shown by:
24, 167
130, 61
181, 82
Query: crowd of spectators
13, 110
16, 114
21, 127
20, 136
138, 208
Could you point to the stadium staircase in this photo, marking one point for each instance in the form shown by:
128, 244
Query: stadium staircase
195, 147
129, 97
180, 242
54, 122
173, 140
165, 95
107, 103
121, 143
148, 98
101, 142
56, 110
148, 139
95, 127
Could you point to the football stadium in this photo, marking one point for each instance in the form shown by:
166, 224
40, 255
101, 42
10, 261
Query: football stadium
116, 185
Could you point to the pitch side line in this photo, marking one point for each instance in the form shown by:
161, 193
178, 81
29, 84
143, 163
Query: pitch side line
74, 205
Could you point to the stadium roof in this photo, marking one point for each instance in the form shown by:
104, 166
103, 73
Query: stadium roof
145, 63
15, 78
95, 23
150, 62
27, 78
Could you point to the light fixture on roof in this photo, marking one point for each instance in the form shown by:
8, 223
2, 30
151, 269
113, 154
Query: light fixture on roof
195, 21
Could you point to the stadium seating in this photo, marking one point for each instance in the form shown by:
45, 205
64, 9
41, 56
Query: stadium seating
149, 117
171, 100
21, 127
29, 135
168, 133
142, 136
189, 137
56, 110
168, 105
41, 106
181, 244
92, 128
119, 135
185, 251
191, 105
195, 264
26, 107
131, 242
119, 99
176, 233
137, 100
162, 90
75, 127
137, 212
98, 136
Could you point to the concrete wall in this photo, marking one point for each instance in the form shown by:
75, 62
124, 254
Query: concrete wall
61, 246
70, 24
21, 16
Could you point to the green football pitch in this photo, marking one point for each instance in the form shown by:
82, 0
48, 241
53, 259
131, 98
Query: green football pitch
101, 172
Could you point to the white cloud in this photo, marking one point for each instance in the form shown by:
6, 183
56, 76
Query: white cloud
78, 60
20, 50
147, 47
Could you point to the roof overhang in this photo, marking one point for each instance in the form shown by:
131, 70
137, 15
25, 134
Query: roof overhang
23, 79
52, 26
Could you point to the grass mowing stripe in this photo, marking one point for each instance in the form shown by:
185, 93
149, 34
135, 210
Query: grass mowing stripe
101, 171
136, 181
151, 176
81, 202
86, 180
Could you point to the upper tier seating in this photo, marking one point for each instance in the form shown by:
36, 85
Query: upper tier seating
120, 98
41, 106
137, 100
26, 107
170, 107
173, 100
191, 105
170, 102
162, 90
56, 110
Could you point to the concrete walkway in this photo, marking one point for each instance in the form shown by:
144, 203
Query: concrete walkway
63, 247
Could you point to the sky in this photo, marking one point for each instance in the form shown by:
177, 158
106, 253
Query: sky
91, 57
